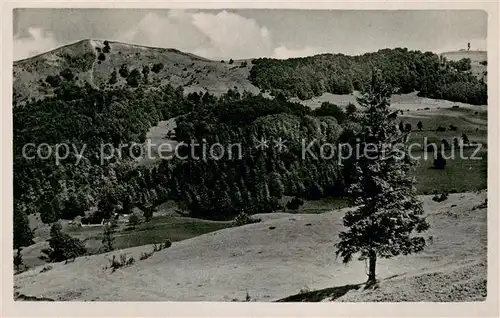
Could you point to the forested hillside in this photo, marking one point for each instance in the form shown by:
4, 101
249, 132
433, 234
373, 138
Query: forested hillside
254, 176
84, 108
84, 119
406, 71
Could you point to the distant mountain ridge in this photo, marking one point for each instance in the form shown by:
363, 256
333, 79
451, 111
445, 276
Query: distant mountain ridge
88, 61
110, 64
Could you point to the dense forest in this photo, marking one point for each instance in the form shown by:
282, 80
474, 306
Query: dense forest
406, 71
85, 118
253, 179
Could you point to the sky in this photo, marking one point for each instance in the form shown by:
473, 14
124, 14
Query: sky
248, 33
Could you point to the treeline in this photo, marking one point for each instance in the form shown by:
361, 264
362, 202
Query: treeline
405, 71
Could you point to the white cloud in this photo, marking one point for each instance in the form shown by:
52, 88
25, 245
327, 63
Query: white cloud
38, 42
232, 36
172, 31
282, 52
221, 35
215, 36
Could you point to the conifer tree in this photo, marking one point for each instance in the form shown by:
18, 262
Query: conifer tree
23, 235
390, 215
63, 246
420, 125
18, 260
108, 239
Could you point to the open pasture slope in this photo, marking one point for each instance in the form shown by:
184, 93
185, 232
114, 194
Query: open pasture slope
260, 260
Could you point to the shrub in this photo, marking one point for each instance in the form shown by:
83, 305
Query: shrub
440, 197
130, 261
167, 244
115, 264
133, 220
461, 65
231, 61
124, 261
63, 246
67, 74
148, 211
329, 109
94, 218
157, 68
408, 127
145, 255
133, 78
483, 205
294, 204
351, 109
106, 48
304, 290
244, 64
420, 126
243, 219
46, 269
145, 71
113, 78
53, 80
453, 128
439, 162
101, 57
123, 71
441, 128
465, 139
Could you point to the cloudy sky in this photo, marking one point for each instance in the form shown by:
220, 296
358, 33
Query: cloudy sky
248, 33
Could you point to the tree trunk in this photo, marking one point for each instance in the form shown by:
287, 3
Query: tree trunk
371, 270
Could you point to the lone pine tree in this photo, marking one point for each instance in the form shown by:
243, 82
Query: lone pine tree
390, 215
